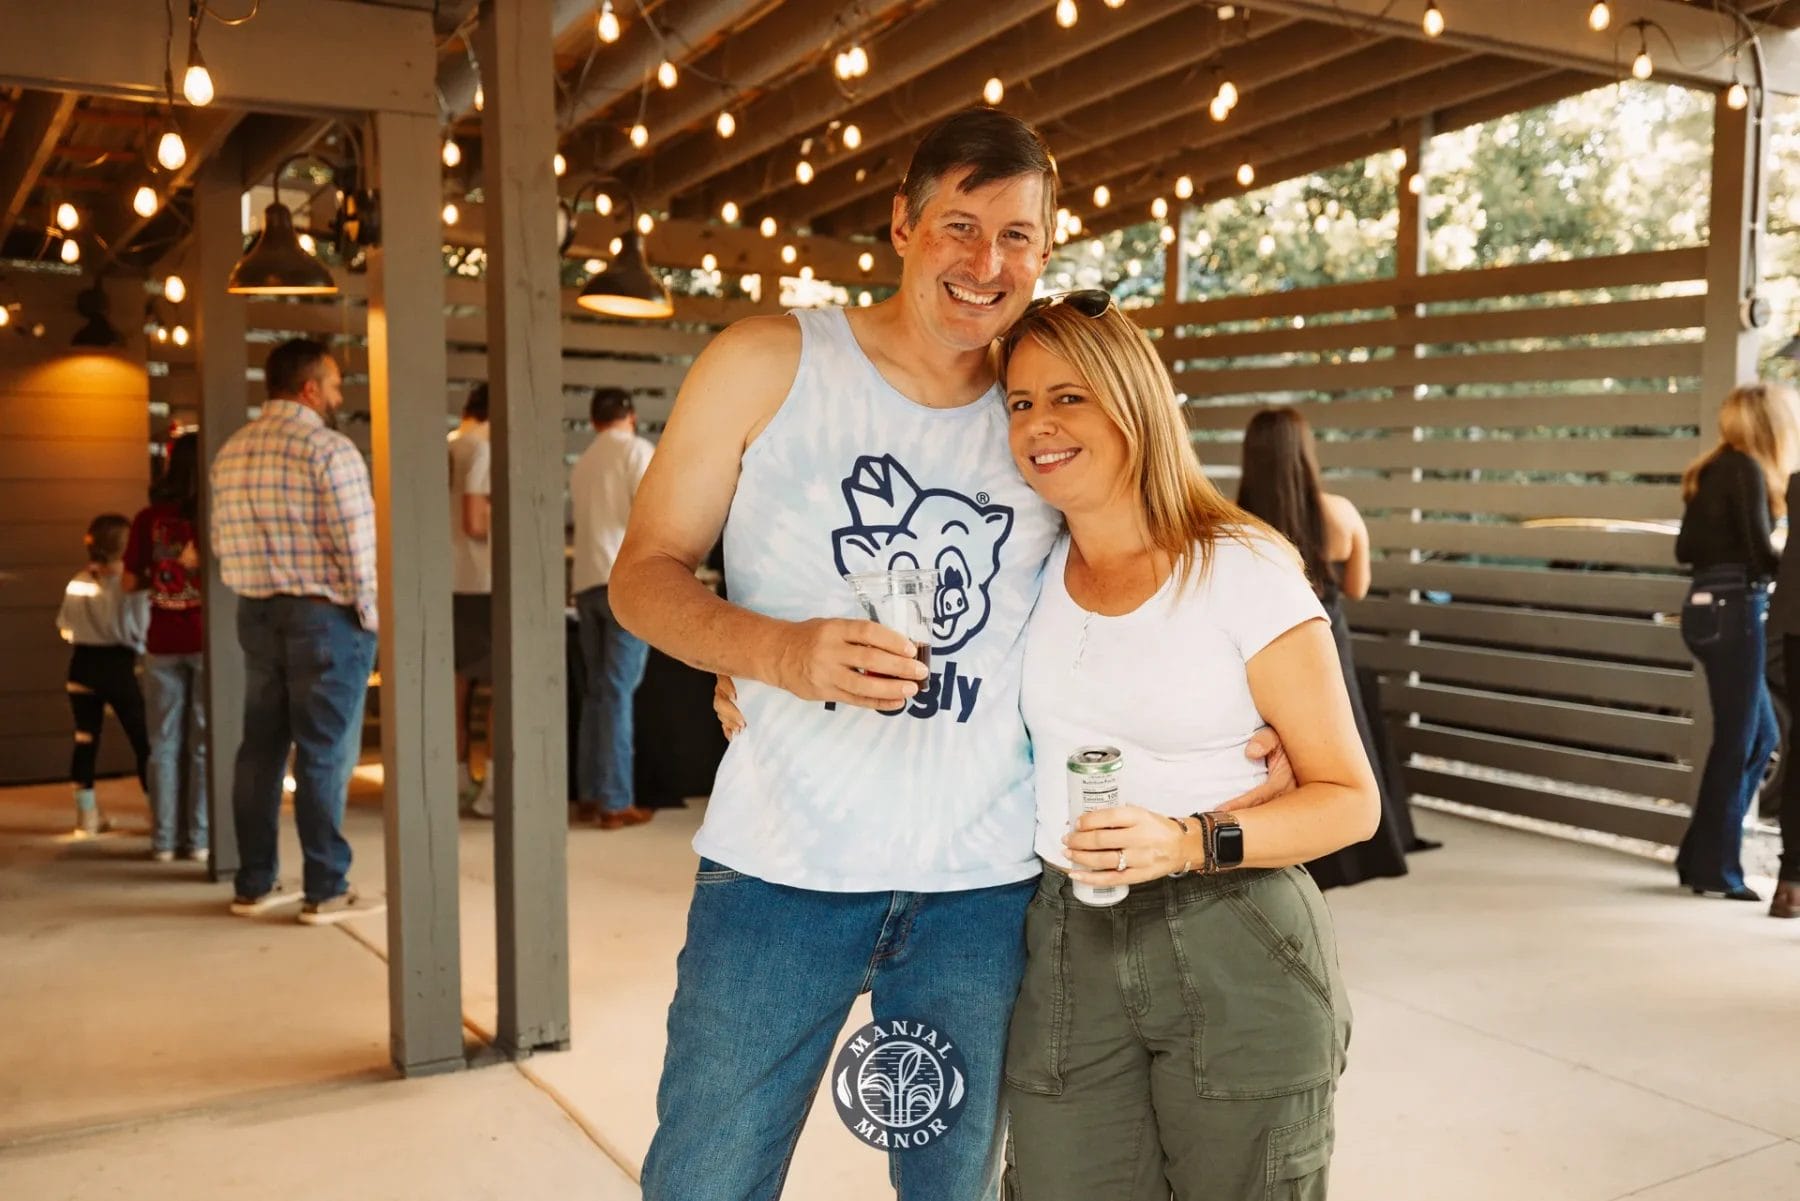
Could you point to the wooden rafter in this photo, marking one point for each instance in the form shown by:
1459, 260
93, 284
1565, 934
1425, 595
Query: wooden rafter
37, 126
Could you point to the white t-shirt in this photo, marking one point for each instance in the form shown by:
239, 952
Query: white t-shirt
471, 474
601, 488
1165, 683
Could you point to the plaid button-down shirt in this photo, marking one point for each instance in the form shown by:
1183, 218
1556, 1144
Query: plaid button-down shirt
292, 513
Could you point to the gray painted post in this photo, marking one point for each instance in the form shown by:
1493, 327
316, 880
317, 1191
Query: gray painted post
407, 388
220, 358
513, 45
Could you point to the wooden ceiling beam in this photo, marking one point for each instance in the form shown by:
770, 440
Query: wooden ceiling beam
205, 132
458, 75
36, 127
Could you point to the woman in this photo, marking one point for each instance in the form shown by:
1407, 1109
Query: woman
1733, 492
1280, 484
1190, 1038
161, 558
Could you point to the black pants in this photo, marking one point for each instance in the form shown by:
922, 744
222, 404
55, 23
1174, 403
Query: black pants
1790, 769
100, 676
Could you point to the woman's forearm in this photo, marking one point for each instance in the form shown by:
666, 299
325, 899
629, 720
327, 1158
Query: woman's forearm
1313, 820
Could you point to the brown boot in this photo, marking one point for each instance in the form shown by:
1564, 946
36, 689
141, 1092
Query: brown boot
1786, 902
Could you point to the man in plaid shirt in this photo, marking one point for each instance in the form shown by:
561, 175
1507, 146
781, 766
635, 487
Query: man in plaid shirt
293, 526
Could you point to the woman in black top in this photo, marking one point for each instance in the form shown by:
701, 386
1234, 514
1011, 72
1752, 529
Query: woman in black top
1733, 493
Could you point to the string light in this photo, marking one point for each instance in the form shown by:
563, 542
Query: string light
640, 135
1229, 94
728, 212
180, 334
864, 300
66, 216
174, 289
1184, 187
806, 273
171, 151
1246, 174
1102, 196
480, 98
1159, 208
1217, 109
1067, 14
594, 266
1167, 234
452, 152
307, 244
866, 261
993, 91
1074, 225
162, 333
559, 164
645, 223
1433, 21
613, 247
609, 23
666, 75
727, 124
767, 228
803, 171
1599, 16
451, 214
144, 202
71, 251
789, 254
1115, 3
1737, 96
1641, 66
603, 204
1415, 183
851, 63
852, 137
196, 81
709, 262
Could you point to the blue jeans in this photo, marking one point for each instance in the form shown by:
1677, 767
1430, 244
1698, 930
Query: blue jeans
1722, 623
306, 673
613, 662
764, 984
175, 695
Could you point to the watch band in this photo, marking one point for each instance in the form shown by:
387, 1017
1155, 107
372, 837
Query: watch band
1225, 843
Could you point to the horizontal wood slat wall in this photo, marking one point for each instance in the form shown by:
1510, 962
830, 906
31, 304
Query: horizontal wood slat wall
1513, 438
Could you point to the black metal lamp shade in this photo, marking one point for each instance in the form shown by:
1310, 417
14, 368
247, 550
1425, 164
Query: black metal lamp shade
277, 265
627, 288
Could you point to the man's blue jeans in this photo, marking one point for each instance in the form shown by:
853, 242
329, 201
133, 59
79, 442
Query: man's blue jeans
765, 983
613, 664
306, 674
1722, 623
175, 697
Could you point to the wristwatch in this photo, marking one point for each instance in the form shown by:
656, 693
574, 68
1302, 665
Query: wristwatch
1224, 843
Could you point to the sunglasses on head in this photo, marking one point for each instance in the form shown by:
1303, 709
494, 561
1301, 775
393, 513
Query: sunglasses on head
1089, 302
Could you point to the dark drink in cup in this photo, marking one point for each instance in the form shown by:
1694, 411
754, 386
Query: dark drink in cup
903, 600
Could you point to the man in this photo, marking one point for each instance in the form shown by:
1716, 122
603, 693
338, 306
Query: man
602, 488
472, 583
293, 526
871, 827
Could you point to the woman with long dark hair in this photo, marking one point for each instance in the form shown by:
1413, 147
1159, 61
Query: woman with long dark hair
1733, 493
162, 558
1281, 485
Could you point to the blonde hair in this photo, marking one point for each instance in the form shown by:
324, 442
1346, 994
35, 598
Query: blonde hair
1759, 420
1183, 512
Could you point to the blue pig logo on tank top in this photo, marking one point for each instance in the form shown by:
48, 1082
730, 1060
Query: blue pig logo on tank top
896, 525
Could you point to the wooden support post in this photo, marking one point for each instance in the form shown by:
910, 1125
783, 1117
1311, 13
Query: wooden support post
513, 42
220, 357
1410, 237
406, 386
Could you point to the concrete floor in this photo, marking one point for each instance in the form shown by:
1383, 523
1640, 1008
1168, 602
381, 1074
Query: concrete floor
1535, 1019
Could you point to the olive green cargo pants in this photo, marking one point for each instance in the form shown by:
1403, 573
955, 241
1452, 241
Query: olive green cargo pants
1186, 1041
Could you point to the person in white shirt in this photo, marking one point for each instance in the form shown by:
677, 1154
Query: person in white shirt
1189, 1038
601, 489
471, 582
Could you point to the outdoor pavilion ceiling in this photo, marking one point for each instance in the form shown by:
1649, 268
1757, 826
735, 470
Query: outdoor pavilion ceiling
1122, 95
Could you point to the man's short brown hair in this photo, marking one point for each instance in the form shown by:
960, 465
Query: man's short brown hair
991, 146
291, 364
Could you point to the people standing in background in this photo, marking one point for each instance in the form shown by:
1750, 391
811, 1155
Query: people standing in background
601, 488
1281, 485
106, 626
161, 559
472, 584
1733, 493
293, 525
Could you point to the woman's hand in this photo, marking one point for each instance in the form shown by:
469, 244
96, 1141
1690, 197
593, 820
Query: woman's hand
731, 718
1152, 845
1265, 745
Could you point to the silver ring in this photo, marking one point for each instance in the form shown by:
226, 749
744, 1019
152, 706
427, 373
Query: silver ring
1121, 866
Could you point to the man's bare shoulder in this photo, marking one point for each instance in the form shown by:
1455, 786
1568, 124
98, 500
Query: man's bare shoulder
758, 343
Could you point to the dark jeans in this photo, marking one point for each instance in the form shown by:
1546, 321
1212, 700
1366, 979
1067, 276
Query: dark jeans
1722, 624
613, 665
100, 676
1790, 777
306, 673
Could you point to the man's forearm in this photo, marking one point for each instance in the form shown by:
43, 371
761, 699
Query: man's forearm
661, 601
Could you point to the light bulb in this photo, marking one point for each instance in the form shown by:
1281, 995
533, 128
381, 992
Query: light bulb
613, 247
171, 151
559, 164
1415, 183
1062, 237
1115, 3
594, 266
1599, 16
480, 98
196, 81
1159, 208
859, 62
640, 136
1433, 21
727, 124
66, 216
1641, 66
840, 65
803, 171
307, 244
1074, 226
666, 74
1102, 196
865, 261
767, 228
645, 223
609, 23
1067, 14
993, 91
451, 213
71, 251
1217, 109
144, 202
452, 152
709, 262
1184, 187
789, 254
864, 300
728, 212
180, 334
174, 289
1167, 234
1737, 96
1227, 11
806, 273
1246, 174
162, 333
603, 204
1400, 158
1229, 94
1265, 245
852, 137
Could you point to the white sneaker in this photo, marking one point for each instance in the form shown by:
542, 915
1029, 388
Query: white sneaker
163, 856
275, 898
483, 804
197, 855
341, 908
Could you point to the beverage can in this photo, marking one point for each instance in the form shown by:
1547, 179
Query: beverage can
1095, 774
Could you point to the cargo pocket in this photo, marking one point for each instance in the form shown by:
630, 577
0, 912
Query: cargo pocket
1035, 1038
1300, 1160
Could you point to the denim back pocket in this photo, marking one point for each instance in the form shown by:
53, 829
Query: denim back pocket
1039, 1030
1704, 613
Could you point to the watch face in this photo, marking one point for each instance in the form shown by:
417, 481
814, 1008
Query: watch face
1228, 844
